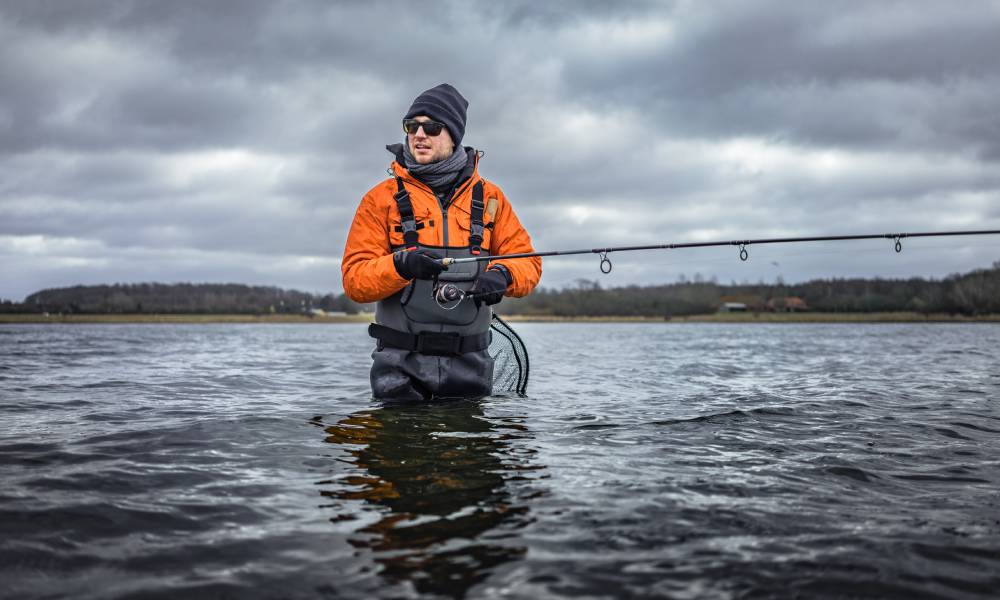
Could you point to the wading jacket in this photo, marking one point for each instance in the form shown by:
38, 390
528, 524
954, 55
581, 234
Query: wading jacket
367, 267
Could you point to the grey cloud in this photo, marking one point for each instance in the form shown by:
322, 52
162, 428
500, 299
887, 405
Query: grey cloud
765, 68
604, 122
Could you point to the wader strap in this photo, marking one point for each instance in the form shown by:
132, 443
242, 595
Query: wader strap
406, 219
420, 225
476, 226
429, 342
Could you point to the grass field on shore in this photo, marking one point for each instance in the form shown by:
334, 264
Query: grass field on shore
805, 317
174, 318
765, 317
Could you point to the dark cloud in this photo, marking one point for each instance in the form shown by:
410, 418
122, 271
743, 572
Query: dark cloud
232, 140
881, 74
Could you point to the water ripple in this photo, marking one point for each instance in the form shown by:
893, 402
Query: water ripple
681, 461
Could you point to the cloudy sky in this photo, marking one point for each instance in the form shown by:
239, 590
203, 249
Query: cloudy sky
230, 141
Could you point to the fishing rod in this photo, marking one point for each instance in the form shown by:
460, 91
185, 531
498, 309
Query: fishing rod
741, 244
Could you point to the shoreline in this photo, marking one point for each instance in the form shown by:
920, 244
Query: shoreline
14, 318
805, 317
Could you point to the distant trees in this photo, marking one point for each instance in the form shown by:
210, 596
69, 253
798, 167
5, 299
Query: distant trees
973, 293
176, 298
977, 292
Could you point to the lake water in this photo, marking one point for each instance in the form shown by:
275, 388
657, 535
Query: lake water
653, 460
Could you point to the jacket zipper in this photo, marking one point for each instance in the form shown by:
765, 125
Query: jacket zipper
444, 209
444, 222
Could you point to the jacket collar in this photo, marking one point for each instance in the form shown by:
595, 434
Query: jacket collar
399, 170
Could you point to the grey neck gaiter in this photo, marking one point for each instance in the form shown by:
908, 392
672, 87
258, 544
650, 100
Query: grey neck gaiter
439, 174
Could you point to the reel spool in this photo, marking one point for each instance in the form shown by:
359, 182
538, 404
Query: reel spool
448, 295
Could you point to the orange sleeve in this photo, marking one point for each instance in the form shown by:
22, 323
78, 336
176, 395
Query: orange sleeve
510, 237
366, 269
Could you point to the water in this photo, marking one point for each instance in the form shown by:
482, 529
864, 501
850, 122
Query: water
662, 460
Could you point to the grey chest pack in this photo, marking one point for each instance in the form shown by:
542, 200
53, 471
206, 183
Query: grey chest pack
412, 319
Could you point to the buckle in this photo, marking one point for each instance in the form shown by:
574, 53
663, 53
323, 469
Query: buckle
439, 344
410, 237
475, 238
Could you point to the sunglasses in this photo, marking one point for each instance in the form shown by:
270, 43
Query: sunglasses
431, 128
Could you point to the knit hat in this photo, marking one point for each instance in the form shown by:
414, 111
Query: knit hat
444, 104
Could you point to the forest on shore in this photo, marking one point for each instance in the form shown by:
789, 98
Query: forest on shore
974, 293
179, 298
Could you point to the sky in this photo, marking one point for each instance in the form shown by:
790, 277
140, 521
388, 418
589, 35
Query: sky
231, 141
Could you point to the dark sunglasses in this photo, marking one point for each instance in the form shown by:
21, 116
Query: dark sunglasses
431, 128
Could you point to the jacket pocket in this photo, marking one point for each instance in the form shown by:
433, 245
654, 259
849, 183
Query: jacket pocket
425, 223
465, 226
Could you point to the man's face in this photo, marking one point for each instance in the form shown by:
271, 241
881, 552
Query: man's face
428, 149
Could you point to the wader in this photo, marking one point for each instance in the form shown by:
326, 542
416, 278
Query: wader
424, 350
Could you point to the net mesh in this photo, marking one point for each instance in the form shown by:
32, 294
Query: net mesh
510, 359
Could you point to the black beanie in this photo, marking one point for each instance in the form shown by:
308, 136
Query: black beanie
444, 104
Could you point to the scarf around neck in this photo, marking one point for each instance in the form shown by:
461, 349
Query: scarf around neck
439, 174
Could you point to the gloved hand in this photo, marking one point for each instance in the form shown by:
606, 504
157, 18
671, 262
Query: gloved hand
490, 286
418, 264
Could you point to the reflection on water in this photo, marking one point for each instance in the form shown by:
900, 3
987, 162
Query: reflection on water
437, 476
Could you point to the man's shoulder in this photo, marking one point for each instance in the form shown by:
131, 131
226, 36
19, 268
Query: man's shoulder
491, 189
489, 185
382, 190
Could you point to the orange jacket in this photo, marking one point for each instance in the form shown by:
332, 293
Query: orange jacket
367, 267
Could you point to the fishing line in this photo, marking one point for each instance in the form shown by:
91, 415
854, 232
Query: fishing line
743, 246
506, 347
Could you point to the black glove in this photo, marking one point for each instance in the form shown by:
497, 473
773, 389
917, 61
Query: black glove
418, 264
490, 286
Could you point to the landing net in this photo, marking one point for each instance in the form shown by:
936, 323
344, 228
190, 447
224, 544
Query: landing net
510, 359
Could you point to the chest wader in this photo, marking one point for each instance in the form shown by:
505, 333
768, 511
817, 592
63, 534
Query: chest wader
425, 350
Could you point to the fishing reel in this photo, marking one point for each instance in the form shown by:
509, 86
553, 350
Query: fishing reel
448, 295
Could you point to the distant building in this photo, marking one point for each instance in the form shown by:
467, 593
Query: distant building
787, 304
319, 312
741, 303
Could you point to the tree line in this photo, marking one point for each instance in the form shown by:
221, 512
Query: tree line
974, 293
179, 298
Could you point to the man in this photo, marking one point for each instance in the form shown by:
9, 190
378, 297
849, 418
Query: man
436, 205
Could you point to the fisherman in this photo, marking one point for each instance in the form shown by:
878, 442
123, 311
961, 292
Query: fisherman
434, 205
